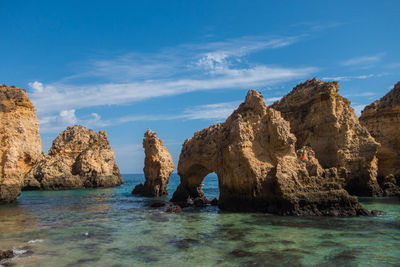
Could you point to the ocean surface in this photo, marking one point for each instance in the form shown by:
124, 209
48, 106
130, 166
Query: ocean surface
111, 227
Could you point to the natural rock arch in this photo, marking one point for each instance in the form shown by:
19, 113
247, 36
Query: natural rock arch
253, 154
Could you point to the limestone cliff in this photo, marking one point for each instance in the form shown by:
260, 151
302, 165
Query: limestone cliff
158, 166
78, 158
253, 154
322, 119
20, 140
382, 119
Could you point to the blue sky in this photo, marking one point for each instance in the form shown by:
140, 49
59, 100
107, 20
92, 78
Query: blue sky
178, 66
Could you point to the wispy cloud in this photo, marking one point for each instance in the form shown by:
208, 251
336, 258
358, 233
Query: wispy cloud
211, 112
358, 109
60, 96
216, 112
54, 123
363, 94
133, 77
364, 60
348, 78
317, 26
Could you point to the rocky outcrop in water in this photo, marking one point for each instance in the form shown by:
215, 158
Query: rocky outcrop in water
78, 158
382, 119
253, 153
158, 166
322, 119
6, 254
20, 141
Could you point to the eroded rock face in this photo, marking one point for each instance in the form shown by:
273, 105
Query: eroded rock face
20, 141
158, 166
382, 119
253, 154
322, 119
78, 158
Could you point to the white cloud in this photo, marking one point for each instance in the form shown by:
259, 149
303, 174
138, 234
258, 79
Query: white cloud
215, 112
348, 78
36, 86
60, 96
358, 109
363, 94
59, 122
365, 60
271, 100
68, 116
317, 25
211, 112
136, 77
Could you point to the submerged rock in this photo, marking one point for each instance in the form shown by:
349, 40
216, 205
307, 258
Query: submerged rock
158, 204
324, 120
377, 213
382, 119
253, 154
158, 166
214, 202
6, 254
78, 158
174, 209
20, 141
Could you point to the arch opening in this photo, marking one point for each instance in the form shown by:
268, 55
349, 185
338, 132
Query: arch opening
210, 186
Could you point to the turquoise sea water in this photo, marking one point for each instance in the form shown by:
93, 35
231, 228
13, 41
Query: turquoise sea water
111, 227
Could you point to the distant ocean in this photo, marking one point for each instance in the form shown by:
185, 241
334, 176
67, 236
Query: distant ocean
111, 227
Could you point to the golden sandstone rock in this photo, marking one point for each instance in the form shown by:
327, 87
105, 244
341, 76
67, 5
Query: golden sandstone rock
382, 119
158, 166
78, 158
253, 153
322, 119
20, 140
295, 161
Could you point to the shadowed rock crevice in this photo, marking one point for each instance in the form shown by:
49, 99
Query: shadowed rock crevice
322, 119
253, 154
158, 166
78, 158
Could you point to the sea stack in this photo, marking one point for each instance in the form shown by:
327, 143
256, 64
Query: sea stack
158, 166
382, 119
20, 141
324, 120
253, 154
78, 158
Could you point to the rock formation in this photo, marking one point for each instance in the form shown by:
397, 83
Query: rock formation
78, 158
382, 119
253, 154
6, 254
158, 166
20, 140
319, 117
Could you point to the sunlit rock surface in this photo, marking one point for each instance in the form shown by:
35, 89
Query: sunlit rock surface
20, 141
324, 120
382, 119
78, 158
253, 153
158, 166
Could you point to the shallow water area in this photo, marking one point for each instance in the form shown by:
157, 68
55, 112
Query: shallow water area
111, 227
